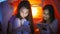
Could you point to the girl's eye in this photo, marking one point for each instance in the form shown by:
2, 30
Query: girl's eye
21, 11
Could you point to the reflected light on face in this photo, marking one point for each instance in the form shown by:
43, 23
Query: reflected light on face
46, 14
24, 12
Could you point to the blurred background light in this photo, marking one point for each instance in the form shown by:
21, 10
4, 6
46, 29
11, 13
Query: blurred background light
2, 0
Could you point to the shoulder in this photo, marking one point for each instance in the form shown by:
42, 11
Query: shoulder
16, 23
55, 21
17, 20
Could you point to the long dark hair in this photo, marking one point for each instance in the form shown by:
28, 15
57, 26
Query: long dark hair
51, 12
26, 4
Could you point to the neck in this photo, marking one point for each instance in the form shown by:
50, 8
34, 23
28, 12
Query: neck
23, 18
48, 21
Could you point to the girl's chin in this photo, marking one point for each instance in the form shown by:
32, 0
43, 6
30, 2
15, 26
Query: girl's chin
23, 17
45, 19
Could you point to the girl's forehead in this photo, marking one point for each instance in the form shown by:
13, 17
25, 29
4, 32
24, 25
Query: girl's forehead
24, 9
46, 10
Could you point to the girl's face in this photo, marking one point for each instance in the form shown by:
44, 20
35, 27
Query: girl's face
46, 14
24, 12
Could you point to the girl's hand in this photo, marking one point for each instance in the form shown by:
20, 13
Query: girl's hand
26, 23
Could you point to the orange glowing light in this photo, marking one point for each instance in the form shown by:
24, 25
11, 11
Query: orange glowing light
36, 8
35, 1
36, 12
